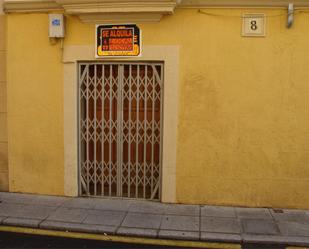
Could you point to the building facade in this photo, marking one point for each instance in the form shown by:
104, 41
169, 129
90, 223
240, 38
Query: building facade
4, 186
211, 112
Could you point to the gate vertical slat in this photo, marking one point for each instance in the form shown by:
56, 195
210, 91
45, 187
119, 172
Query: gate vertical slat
110, 129
152, 128
95, 130
87, 129
137, 133
145, 132
119, 130
129, 133
102, 128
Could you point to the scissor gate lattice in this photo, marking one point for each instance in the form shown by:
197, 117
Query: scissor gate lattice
120, 129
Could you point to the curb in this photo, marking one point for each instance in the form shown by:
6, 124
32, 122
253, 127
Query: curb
295, 247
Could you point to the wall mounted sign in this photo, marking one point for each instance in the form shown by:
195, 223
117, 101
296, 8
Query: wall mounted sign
253, 25
118, 40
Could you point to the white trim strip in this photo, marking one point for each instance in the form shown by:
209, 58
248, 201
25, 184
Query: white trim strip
11, 6
163, 6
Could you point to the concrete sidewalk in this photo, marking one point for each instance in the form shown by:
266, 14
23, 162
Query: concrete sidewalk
156, 220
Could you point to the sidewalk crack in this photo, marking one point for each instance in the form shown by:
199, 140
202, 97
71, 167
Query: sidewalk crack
125, 215
45, 219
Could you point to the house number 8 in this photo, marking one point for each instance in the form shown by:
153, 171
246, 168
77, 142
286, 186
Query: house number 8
253, 25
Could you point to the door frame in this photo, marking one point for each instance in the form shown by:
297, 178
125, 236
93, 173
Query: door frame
72, 55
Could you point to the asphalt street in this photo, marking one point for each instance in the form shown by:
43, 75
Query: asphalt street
25, 241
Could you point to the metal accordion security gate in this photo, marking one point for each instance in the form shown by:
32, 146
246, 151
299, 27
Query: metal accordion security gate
120, 129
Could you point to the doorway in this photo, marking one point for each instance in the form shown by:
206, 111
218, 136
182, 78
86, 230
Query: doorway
120, 129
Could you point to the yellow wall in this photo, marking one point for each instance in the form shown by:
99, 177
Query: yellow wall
243, 133
4, 183
35, 115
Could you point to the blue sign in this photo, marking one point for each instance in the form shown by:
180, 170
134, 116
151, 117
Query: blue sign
56, 22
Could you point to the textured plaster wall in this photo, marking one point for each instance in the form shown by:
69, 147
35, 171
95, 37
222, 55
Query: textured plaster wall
243, 132
3, 106
244, 116
35, 110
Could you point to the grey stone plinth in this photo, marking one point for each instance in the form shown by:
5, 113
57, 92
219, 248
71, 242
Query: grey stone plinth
191, 210
84, 203
138, 232
77, 227
69, 215
100, 217
291, 215
181, 223
181, 235
16, 198
34, 211
137, 220
260, 226
147, 207
253, 213
276, 239
215, 211
45, 200
20, 222
221, 237
10, 209
220, 225
290, 228
112, 204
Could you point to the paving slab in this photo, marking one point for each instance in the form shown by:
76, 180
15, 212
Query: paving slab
45, 200
253, 213
220, 225
112, 204
34, 212
180, 223
221, 237
175, 209
63, 214
22, 222
147, 207
268, 239
77, 227
86, 203
290, 215
181, 235
2, 218
139, 220
216, 211
260, 226
10, 209
275, 239
290, 228
139, 232
16, 198
101, 217
5, 194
